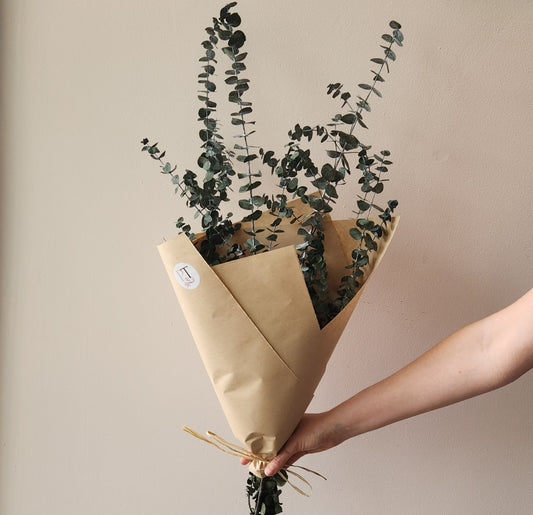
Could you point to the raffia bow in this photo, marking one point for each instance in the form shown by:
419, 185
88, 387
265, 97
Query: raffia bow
257, 461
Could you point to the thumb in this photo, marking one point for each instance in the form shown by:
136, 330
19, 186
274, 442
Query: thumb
285, 458
277, 463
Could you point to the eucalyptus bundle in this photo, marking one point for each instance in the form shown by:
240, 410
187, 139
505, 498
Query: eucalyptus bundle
208, 189
306, 192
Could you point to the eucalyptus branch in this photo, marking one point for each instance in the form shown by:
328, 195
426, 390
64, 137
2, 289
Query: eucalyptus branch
166, 168
225, 26
354, 117
365, 230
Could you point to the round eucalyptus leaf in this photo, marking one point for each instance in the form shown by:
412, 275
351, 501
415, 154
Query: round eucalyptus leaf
237, 39
233, 19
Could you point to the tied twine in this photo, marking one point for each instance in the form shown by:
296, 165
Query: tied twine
258, 462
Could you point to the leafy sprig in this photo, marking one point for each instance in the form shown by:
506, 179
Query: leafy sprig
263, 494
226, 26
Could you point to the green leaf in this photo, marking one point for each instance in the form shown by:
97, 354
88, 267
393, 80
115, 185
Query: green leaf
250, 186
205, 135
348, 141
331, 191
229, 52
355, 233
292, 185
328, 172
234, 96
203, 113
233, 19
302, 245
210, 123
363, 104
316, 203
394, 25
254, 216
332, 87
390, 54
204, 162
365, 224
237, 39
349, 118
224, 34
363, 205
206, 220
378, 188
258, 200
370, 243
398, 37
246, 204
345, 96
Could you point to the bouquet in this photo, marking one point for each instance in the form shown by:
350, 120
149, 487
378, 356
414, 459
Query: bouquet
267, 298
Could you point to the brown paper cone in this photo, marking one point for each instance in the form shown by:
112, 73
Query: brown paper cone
255, 328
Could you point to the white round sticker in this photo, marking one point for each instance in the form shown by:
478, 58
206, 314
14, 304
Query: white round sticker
187, 276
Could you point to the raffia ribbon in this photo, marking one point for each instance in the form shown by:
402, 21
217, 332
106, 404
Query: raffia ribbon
258, 462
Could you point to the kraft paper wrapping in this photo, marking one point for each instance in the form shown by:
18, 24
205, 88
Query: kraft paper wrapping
255, 328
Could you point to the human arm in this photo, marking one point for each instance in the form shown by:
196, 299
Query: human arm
479, 358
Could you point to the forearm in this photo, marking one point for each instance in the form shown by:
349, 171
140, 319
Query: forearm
476, 359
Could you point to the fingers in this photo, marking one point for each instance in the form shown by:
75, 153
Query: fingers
275, 465
283, 459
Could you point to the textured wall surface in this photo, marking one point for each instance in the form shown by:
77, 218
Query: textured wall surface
98, 369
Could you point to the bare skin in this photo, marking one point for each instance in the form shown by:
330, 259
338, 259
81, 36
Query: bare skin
478, 358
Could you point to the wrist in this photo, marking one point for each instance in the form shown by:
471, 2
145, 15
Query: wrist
341, 428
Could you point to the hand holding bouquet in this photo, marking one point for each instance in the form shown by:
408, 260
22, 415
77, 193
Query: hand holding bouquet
267, 298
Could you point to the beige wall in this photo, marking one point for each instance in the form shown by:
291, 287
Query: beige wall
99, 371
